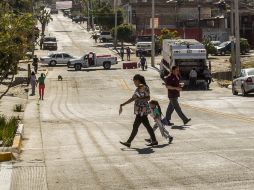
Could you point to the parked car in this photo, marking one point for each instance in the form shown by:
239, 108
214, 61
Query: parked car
92, 60
53, 11
79, 19
105, 36
225, 47
245, 83
56, 58
49, 43
216, 43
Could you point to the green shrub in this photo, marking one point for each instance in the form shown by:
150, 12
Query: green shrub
210, 48
18, 108
9, 130
2, 125
244, 45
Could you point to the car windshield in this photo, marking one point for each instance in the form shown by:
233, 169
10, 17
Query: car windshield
105, 33
223, 44
49, 39
51, 55
250, 72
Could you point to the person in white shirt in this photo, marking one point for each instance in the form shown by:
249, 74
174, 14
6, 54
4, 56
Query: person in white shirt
193, 77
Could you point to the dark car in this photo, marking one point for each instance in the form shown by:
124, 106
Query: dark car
79, 19
53, 11
225, 47
49, 43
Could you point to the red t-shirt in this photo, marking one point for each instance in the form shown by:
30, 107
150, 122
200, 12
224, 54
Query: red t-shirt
174, 81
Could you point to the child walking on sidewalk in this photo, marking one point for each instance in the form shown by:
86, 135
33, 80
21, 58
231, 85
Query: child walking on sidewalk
156, 113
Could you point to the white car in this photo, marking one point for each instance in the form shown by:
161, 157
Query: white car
56, 58
105, 36
245, 83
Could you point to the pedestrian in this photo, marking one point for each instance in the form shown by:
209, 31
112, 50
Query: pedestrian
95, 37
122, 53
128, 50
193, 78
174, 88
156, 113
140, 53
141, 97
208, 76
33, 83
35, 63
41, 81
143, 62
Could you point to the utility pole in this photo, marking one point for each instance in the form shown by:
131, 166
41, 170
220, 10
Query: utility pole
153, 40
115, 35
33, 30
237, 39
92, 15
232, 25
88, 15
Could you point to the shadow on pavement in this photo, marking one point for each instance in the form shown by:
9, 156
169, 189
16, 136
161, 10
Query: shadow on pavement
91, 70
180, 127
147, 150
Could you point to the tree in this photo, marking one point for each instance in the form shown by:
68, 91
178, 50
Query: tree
105, 16
124, 32
167, 34
210, 48
14, 33
44, 17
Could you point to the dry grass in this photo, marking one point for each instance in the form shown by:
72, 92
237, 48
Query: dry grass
248, 64
224, 83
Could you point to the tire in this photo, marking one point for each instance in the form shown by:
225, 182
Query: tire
78, 67
243, 91
234, 92
103, 40
107, 65
52, 63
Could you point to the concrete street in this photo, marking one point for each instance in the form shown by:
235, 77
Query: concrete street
72, 137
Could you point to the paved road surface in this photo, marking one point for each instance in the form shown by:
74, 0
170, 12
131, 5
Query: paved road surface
72, 136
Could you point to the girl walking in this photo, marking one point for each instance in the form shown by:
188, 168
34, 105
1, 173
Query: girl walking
41, 81
156, 114
141, 98
33, 83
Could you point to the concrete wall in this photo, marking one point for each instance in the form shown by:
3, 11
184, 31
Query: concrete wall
216, 34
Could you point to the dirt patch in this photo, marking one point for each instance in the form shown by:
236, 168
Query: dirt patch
224, 83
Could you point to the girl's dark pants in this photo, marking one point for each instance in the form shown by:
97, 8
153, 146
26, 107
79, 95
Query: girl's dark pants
144, 120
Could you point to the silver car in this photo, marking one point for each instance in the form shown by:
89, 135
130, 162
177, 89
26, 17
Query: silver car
245, 83
56, 58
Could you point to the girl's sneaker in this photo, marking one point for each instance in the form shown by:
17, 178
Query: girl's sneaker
148, 140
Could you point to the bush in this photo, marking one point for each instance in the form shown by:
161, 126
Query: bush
244, 45
2, 125
8, 129
167, 34
18, 108
209, 46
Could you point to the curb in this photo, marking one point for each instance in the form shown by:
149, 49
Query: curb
6, 154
